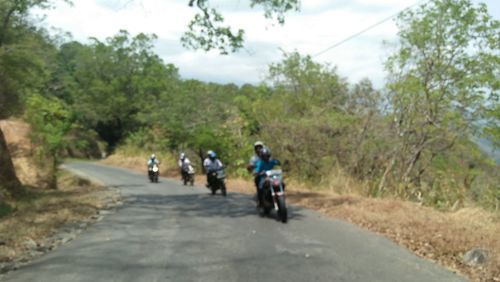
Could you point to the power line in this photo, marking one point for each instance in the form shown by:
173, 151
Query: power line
366, 29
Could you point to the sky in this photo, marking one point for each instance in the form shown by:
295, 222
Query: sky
319, 25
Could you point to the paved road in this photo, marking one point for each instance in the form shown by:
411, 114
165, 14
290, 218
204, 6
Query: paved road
167, 232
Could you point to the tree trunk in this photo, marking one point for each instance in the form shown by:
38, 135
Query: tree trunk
381, 185
202, 158
8, 180
53, 173
411, 165
356, 158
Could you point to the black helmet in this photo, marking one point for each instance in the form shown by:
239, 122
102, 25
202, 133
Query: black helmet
265, 154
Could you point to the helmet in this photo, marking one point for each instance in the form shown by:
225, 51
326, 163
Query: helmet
211, 154
258, 144
265, 154
153, 156
182, 156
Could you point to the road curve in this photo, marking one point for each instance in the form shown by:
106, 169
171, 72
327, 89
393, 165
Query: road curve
168, 232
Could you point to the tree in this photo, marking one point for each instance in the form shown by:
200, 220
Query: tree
305, 118
50, 120
17, 62
100, 80
492, 129
444, 71
207, 30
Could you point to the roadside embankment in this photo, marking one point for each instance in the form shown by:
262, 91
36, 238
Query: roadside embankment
42, 220
39, 220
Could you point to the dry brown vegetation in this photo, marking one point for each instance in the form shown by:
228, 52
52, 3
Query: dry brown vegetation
21, 149
443, 237
138, 161
38, 213
41, 212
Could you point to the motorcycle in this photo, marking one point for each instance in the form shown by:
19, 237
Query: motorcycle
188, 174
273, 194
216, 181
154, 173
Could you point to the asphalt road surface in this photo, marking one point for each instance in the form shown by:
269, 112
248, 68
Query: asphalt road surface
170, 232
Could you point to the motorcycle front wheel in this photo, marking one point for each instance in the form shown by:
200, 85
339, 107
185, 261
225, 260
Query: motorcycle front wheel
282, 210
223, 189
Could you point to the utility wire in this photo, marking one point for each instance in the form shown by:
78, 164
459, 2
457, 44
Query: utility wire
366, 29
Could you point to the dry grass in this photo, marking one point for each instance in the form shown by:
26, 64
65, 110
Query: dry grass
40, 213
137, 160
440, 236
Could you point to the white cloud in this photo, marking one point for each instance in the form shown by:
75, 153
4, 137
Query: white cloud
320, 24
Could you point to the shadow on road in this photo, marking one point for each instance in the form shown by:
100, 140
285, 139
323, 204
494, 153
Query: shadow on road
204, 205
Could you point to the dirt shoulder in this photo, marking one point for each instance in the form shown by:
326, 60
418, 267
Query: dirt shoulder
44, 219
443, 237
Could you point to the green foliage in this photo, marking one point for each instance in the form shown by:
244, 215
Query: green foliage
100, 80
441, 77
207, 30
493, 126
50, 120
5, 209
411, 140
277, 8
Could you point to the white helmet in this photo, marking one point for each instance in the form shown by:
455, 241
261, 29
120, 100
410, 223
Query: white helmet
153, 156
258, 143
182, 156
211, 154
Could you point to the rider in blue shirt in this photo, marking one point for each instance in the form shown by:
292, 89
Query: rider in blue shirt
264, 164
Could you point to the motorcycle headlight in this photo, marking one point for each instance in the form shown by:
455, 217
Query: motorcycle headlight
276, 182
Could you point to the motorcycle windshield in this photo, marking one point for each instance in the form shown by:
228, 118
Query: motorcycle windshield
220, 174
274, 172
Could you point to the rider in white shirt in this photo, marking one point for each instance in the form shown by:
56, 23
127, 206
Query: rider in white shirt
211, 163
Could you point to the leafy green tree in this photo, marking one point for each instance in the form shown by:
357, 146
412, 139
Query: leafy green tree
493, 126
108, 83
444, 70
207, 30
21, 70
304, 118
50, 120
